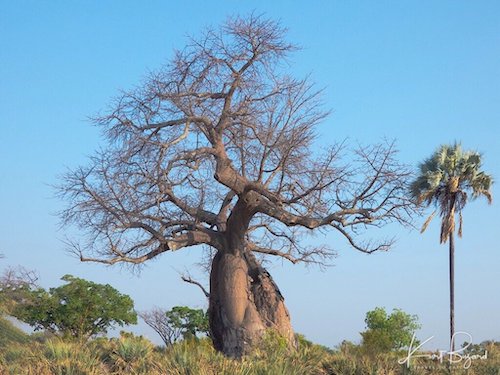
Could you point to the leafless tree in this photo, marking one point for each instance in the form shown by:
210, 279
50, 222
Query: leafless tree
157, 320
15, 283
19, 277
218, 149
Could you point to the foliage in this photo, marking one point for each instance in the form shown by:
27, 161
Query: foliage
77, 309
447, 179
131, 353
189, 322
388, 332
70, 358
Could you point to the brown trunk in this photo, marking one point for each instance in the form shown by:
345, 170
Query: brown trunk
452, 292
244, 303
244, 300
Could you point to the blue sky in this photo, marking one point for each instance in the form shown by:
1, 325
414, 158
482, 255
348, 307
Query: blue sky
422, 72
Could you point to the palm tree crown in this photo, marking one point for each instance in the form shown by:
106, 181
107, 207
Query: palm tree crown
446, 179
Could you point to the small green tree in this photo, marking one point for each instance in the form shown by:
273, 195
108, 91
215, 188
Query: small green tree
78, 309
388, 332
188, 321
180, 321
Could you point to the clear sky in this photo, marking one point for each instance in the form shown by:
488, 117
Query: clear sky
422, 72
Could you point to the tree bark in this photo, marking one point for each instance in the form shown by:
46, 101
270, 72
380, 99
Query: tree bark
244, 303
452, 291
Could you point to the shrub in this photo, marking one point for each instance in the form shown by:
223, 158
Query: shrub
131, 354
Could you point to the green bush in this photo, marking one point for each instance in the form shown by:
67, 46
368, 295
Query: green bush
388, 332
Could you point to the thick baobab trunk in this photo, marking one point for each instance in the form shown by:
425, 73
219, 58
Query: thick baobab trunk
244, 303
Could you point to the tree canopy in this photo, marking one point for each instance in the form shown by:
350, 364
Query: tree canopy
78, 309
221, 127
386, 332
448, 179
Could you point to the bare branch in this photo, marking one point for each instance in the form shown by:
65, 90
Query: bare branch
218, 148
187, 239
19, 277
315, 255
188, 279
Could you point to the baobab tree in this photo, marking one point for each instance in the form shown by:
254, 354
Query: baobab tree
218, 148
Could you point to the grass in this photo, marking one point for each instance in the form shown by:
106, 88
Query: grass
10, 334
136, 355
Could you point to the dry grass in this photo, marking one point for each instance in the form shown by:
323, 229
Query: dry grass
136, 355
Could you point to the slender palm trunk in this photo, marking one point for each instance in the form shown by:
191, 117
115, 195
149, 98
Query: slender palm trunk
452, 291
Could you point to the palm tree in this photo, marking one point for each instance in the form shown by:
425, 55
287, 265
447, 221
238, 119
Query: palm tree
446, 180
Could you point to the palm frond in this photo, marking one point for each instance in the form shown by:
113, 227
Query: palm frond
460, 224
446, 180
427, 222
488, 196
447, 226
